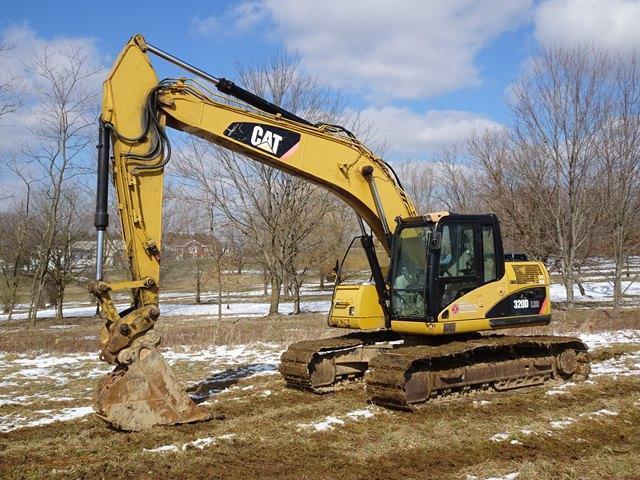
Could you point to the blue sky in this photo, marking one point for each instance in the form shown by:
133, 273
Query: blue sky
439, 67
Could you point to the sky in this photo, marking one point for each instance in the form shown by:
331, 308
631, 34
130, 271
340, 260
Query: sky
424, 73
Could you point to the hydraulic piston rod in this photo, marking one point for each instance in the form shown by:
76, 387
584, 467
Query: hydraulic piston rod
101, 219
229, 88
376, 272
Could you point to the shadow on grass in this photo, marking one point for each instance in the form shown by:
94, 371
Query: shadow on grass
213, 385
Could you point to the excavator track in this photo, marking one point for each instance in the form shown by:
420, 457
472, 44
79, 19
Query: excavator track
403, 372
407, 377
322, 366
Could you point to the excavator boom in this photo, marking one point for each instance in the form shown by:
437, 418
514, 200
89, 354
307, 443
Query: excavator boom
136, 108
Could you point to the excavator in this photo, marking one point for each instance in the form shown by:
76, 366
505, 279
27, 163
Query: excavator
420, 328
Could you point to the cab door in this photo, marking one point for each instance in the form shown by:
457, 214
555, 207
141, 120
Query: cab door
457, 265
469, 256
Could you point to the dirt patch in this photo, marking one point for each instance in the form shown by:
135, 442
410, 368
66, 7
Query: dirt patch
261, 437
587, 430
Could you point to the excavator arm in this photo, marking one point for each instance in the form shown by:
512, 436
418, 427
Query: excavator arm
142, 390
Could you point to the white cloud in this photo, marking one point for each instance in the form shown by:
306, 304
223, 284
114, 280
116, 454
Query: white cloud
236, 20
613, 24
404, 131
207, 26
405, 49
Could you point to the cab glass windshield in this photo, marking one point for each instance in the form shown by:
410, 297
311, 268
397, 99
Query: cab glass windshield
409, 272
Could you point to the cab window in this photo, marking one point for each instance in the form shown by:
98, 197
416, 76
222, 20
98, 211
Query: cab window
409, 274
457, 265
457, 251
489, 254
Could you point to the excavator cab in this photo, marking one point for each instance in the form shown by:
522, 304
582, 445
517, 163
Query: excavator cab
436, 263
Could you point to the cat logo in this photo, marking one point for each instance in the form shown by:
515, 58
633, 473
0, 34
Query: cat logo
272, 140
265, 139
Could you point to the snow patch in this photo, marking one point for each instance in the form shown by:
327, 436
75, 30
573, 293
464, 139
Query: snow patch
605, 339
330, 421
358, 414
559, 390
508, 476
624, 366
594, 291
560, 424
500, 437
326, 424
230, 310
199, 443
600, 413
9, 423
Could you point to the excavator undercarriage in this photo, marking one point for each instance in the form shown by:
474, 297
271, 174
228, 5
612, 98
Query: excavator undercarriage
403, 372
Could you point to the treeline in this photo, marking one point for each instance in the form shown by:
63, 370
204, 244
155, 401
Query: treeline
564, 173
47, 208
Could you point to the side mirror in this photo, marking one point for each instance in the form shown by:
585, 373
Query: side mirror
436, 241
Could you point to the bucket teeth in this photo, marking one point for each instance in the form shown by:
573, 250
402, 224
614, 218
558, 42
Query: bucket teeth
145, 393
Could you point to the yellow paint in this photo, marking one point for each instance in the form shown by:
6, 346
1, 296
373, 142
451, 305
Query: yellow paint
356, 306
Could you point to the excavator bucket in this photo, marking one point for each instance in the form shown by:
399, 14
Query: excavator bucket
145, 393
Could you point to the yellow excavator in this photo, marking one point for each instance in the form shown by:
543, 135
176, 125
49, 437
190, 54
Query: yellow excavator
415, 326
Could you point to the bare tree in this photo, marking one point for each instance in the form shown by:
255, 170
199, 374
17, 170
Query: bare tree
456, 189
619, 153
11, 86
14, 242
11, 92
558, 109
255, 199
217, 253
420, 181
501, 188
61, 134
238, 250
65, 263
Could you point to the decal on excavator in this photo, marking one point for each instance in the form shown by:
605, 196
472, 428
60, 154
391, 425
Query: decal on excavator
274, 140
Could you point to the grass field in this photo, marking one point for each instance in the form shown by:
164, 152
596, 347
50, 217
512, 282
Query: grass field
585, 430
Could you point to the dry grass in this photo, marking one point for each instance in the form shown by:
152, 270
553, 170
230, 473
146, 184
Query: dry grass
82, 333
198, 332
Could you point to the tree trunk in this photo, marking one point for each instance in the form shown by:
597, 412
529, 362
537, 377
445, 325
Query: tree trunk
265, 284
198, 282
60, 301
13, 296
322, 279
617, 287
568, 286
219, 278
36, 301
296, 299
274, 304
